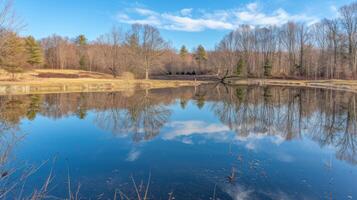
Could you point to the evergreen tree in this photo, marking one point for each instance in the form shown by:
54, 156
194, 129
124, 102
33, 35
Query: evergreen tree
183, 52
201, 55
239, 67
34, 51
81, 41
267, 68
13, 55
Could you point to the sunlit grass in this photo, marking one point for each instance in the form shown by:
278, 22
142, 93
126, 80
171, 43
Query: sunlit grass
30, 83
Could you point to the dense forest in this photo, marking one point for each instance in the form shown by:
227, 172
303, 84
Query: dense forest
324, 50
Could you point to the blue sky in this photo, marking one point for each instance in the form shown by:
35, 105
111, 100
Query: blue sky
188, 22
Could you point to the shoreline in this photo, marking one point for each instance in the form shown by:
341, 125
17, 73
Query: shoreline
330, 84
51, 85
97, 82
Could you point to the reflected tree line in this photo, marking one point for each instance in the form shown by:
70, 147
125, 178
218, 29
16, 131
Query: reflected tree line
328, 117
325, 116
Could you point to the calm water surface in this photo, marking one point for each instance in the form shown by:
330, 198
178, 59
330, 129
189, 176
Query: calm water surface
210, 142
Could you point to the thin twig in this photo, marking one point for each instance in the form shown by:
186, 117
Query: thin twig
136, 188
147, 187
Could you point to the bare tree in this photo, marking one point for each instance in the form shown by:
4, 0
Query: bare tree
349, 24
150, 45
111, 47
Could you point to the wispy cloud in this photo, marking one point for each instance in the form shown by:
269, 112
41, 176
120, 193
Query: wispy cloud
186, 11
191, 20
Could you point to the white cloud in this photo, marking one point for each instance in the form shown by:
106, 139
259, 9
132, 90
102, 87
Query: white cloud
188, 20
144, 12
186, 11
252, 7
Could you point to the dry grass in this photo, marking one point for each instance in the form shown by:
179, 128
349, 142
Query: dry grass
57, 81
345, 85
31, 83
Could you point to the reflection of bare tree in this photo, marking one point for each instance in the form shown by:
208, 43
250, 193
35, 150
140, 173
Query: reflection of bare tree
328, 117
143, 117
254, 111
347, 145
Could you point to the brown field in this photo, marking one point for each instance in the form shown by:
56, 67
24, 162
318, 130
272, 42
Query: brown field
57, 81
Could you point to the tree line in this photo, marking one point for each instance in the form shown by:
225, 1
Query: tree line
323, 50
326, 49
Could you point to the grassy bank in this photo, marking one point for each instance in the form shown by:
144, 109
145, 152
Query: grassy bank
65, 81
344, 85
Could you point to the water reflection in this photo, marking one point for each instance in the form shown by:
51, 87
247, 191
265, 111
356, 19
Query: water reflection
143, 117
326, 117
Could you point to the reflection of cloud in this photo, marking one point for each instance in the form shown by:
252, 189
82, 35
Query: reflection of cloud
187, 128
133, 155
238, 192
187, 141
241, 192
285, 157
280, 195
252, 138
217, 132
250, 146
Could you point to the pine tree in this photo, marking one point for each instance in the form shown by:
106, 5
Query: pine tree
183, 52
81, 41
239, 67
201, 55
267, 68
34, 51
13, 55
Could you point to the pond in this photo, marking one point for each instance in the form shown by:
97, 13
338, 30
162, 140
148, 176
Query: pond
207, 142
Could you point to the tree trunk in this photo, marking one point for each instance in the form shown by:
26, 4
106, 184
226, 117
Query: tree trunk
147, 74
